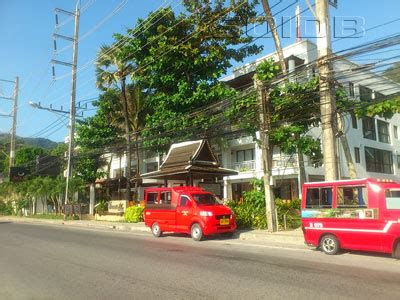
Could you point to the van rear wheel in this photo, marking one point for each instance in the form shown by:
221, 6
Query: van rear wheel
330, 244
396, 251
156, 230
196, 232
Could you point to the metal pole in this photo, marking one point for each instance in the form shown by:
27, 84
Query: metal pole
327, 97
72, 103
14, 125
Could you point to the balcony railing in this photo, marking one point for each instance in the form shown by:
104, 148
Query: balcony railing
284, 162
244, 166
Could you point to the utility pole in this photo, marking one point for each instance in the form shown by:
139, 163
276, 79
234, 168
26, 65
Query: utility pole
13, 135
73, 65
326, 89
14, 124
266, 151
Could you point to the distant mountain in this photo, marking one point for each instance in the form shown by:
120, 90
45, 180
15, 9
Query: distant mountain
35, 142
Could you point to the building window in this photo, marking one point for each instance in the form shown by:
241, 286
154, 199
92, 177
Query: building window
365, 94
353, 120
378, 160
245, 155
151, 167
351, 89
352, 196
383, 132
398, 161
395, 133
357, 154
369, 128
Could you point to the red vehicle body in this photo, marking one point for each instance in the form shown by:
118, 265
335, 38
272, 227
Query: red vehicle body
362, 214
187, 209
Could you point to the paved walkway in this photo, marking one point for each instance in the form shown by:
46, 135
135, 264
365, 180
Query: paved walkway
293, 238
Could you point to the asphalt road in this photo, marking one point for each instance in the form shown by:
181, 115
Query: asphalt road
53, 262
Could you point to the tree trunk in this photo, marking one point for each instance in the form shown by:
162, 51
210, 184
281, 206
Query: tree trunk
137, 166
127, 138
266, 150
108, 193
346, 149
278, 47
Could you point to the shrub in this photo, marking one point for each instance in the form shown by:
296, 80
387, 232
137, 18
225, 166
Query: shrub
250, 213
101, 207
6, 208
290, 208
134, 214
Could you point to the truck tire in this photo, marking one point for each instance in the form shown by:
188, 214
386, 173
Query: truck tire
396, 250
156, 230
329, 244
196, 232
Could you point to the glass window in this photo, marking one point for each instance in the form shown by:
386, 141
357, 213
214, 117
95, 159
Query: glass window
383, 132
357, 154
319, 198
379, 161
395, 133
352, 196
205, 199
398, 161
392, 199
184, 200
353, 120
365, 94
351, 89
152, 198
369, 128
244, 155
165, 198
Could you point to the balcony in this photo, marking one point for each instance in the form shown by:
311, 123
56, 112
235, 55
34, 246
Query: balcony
284, 162
244, 166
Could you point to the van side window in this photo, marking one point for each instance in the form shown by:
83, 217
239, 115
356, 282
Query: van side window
352, 196
319, 198
152, 198
392, 199
165, 198
183, 200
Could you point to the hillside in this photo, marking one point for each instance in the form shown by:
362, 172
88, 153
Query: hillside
36, 142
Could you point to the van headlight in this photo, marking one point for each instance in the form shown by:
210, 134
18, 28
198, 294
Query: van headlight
206, 213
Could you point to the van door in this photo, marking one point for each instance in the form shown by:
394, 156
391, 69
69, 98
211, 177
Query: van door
359, 221
184, 213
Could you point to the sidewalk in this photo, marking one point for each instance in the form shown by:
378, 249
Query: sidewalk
293, 238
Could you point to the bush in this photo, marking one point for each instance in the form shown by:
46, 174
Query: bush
250, 213
101, 207
290, 208
6, 208
134, 214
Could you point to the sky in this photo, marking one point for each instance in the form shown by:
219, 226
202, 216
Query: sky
26, 47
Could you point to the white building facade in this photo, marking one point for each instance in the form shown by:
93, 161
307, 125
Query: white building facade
374, 142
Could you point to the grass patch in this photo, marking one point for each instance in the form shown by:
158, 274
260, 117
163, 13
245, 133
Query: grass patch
47, 216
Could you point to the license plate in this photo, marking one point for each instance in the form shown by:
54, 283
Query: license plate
224, 222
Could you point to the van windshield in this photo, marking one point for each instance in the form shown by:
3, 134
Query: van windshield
205, 199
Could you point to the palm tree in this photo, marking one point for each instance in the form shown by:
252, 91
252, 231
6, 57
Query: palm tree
112, 70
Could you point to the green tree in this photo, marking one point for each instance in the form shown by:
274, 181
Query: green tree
179, 60
113, 69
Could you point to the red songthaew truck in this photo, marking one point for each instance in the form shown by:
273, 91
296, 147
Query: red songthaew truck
361, 214
187, 209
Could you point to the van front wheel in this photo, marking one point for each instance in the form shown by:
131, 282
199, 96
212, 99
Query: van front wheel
156, 230
330, 244
196, 232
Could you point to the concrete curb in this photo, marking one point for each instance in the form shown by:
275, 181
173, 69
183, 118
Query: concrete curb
293, 238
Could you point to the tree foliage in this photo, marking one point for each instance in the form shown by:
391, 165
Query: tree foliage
179, 60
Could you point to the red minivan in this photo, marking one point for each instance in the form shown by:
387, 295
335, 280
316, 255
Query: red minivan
187, 209
361, 214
